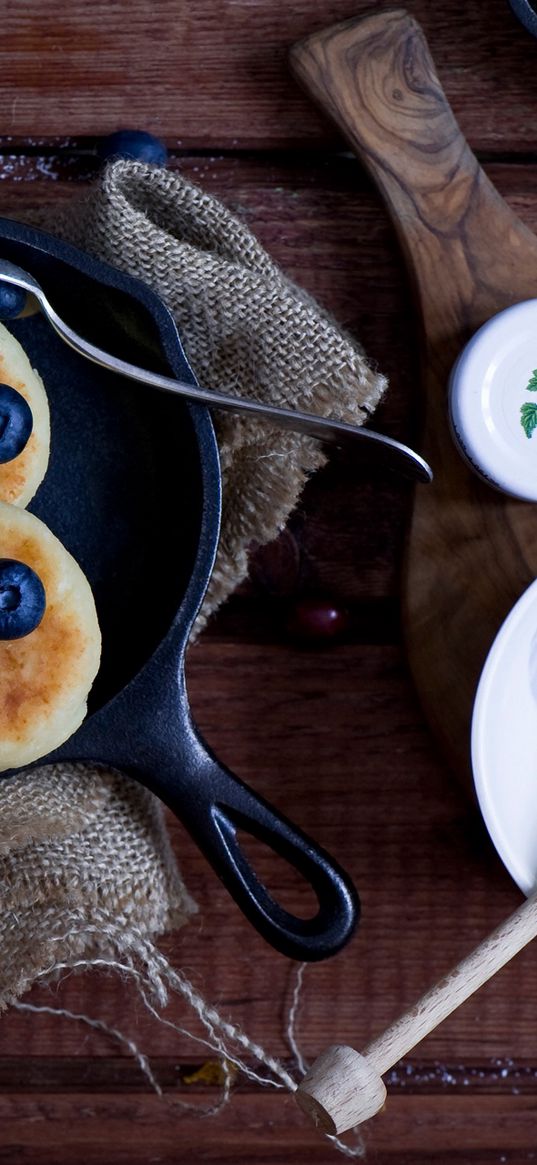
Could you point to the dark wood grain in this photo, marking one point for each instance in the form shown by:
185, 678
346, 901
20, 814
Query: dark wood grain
466, 1129
214, 74
213, 78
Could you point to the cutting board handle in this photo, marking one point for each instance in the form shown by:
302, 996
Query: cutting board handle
375, 78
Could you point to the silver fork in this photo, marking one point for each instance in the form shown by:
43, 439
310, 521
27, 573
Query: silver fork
326, 429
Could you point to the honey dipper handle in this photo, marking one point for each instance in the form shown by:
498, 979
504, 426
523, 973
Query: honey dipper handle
458, 985
344, 1088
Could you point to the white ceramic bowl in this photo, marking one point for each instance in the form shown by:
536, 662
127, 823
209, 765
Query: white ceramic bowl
504, 741
493, 401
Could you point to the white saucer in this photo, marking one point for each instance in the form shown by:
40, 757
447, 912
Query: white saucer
504, 741
487, 390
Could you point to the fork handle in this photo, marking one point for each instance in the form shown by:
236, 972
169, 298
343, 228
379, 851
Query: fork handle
326, 429
393, 453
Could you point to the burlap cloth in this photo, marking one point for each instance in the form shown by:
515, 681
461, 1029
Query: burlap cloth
86, 868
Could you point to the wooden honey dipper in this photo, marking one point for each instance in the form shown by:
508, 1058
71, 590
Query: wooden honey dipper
471, 550
343, 1088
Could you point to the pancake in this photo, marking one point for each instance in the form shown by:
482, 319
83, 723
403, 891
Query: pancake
20, 478
45, 677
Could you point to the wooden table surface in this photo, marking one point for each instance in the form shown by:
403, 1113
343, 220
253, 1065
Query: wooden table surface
333, 735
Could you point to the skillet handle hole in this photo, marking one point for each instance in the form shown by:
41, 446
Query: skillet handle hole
285, 884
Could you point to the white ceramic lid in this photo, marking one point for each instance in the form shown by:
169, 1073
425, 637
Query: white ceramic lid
493, 401
504, 741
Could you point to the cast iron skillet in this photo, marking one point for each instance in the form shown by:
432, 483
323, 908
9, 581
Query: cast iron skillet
526, 10
133, 492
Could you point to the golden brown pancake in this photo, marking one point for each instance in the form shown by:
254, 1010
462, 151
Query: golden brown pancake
45, 677
20, 478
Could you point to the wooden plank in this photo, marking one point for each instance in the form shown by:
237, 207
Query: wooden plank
135, 1130
216, 73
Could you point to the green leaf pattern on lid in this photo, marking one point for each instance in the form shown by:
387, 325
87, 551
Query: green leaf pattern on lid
528, 412
528, 418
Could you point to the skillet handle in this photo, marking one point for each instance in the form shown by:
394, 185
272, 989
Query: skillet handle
147, 732
218, 805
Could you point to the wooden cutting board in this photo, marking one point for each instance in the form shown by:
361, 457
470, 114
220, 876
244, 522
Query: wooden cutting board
471, 551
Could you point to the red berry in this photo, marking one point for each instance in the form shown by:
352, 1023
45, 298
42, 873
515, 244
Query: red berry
317, 619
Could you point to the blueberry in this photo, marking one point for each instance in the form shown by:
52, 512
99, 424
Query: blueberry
135, 144
16, 423
22, 599
12, 301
